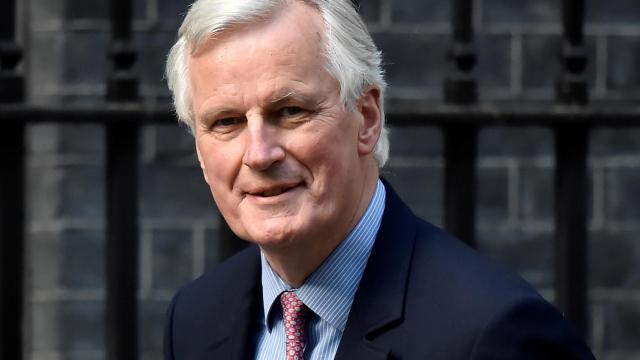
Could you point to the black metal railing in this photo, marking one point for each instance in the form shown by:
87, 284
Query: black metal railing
12, 192
460, 118
122, 194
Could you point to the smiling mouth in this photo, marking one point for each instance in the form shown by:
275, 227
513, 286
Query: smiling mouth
272, 191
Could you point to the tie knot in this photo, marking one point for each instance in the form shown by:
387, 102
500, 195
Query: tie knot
291, 304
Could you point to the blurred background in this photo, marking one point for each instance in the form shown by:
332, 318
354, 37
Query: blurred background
518, 43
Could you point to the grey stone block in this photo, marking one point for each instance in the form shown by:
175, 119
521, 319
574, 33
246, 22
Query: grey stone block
613, 259
524, 11
536, 193
212, 248
83, 192
85, 57
43, 192
425, 11
44, 332
175, 193
44, 265
620, 355
172, 258
43, 10
150, 332
82, 259
98, 10
42, 139
493, 69
622, 194
493, 195
608, 142
153, 48
85, 355
542, 61
529, 253
421, 187
81, 326
76, 9
217, 251
82, 139
413, 60
622, 326
541, 56
173, 11
174, 144
418, 141
618, 12
622, 65
592, 212
370, 10
505, 141
44, 54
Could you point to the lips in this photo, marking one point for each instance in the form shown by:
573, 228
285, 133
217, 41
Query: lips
271, 191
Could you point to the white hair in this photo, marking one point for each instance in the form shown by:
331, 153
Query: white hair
351, 56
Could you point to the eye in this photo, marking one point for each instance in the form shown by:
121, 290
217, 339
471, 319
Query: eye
291, 111
226, 124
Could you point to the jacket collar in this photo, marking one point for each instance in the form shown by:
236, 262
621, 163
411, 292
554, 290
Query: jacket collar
379, 302
234, 335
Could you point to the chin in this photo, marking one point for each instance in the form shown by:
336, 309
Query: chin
272, 234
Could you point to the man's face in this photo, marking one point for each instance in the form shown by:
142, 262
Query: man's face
284, 159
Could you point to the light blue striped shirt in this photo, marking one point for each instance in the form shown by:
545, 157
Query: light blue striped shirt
328, 292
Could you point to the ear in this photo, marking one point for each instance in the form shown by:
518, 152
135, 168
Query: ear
370, 128
202, 166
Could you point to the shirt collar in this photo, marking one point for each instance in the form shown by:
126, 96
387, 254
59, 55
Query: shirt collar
330, 289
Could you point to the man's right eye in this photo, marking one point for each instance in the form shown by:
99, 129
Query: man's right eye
227, 122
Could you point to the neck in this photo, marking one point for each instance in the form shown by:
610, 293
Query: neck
295, 264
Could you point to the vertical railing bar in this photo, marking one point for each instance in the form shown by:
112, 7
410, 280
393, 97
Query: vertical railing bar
570, 220
122, 241
8, 23
572, 85
12, 193
571, 150
122, 195
12, 270
460, 141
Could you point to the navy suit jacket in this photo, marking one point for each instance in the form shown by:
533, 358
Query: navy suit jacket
423, 295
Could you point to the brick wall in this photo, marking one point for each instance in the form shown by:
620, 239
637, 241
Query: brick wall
517, 43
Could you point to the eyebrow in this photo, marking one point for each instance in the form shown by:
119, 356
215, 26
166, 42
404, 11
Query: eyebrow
280, 97
288, 95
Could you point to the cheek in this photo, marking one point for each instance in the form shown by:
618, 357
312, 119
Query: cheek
220, 163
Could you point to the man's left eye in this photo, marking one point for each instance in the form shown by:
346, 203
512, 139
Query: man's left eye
291, 111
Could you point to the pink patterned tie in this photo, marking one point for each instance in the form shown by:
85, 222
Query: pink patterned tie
293, 313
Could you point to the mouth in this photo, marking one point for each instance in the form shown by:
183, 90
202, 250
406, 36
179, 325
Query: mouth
271, 191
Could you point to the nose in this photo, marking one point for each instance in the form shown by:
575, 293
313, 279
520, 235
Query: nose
263, 148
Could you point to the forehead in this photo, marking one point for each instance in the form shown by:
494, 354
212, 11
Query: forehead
296, 24
287, 47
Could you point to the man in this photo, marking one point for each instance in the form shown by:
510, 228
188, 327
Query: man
284, 98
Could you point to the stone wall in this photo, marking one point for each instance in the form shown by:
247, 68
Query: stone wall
517, 42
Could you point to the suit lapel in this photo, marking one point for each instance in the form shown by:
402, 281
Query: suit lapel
379, 302
234, 337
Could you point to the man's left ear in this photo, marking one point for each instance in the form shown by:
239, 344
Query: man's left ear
370, 127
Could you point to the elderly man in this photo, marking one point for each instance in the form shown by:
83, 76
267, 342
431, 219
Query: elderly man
284, 98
